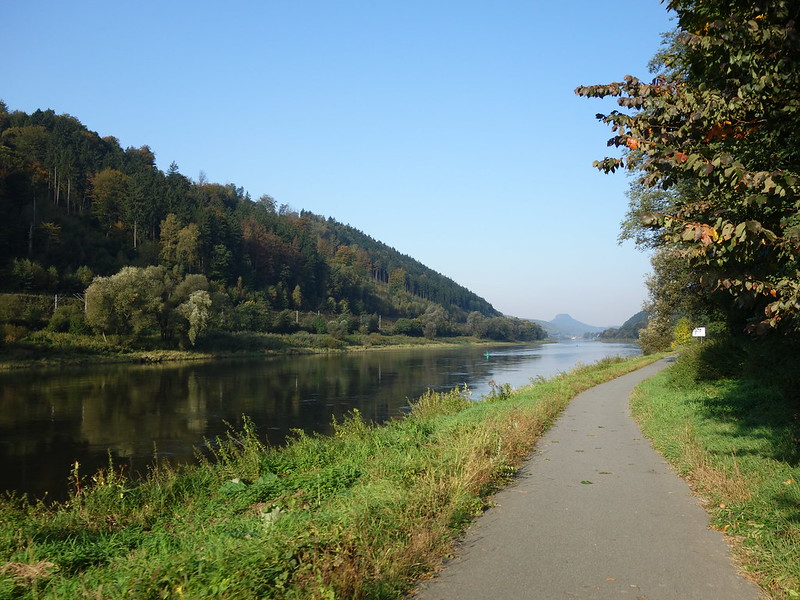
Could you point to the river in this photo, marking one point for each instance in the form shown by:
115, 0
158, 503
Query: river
50, 418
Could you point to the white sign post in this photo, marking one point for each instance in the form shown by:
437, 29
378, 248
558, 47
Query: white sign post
699, 332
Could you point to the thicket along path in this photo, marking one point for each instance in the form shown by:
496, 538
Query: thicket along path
596, 513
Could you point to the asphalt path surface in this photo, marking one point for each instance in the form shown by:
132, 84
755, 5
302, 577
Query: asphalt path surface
596, 513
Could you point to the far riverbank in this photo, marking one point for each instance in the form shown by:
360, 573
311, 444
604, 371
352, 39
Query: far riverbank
47, 349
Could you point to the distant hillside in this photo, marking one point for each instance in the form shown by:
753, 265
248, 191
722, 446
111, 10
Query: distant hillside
551, 331
629, 329
397, 277
76, 205
563, 325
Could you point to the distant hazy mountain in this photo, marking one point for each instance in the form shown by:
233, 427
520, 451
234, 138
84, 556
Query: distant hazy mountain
564, 325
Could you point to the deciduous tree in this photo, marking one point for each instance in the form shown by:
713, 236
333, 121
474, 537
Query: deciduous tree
109, 193
196, 311
721, 120
135, 299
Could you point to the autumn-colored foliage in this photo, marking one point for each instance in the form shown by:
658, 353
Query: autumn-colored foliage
720, 122
74, 203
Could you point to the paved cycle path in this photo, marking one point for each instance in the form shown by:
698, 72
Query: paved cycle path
596, 513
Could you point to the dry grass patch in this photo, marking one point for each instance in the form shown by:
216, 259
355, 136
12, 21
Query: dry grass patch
706, 477
26, 573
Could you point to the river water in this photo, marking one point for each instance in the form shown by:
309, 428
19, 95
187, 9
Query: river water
132, 413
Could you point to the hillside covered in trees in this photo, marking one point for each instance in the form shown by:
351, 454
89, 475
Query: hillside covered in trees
629, 330
80, 209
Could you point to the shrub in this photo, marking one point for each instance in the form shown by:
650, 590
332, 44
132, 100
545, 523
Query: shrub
303, 339
13, 333
657, 336
68, 318
251, 315
284, 322
682, 332
30, 310
338, 328
370, 324
332, 343
408, 327
314, 324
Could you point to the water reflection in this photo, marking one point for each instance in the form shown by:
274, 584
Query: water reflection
50, 418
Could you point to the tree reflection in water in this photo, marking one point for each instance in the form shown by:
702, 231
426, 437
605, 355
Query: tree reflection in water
51, 418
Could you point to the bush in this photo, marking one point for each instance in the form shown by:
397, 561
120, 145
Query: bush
247, 341
303, 339
408, 327
339, 328
29, 310
657, 336
251, 316
370, 324
374, 339
332, 343
314, 324
13, 333
284, 322
682, 332
68, 318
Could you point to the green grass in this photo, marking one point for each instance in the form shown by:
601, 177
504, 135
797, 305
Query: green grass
363, 513
728, 418
49, 348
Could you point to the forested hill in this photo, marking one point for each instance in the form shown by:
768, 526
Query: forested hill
75, 205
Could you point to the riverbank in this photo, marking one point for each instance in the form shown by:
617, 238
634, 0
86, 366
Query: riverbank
359, 514
48, 349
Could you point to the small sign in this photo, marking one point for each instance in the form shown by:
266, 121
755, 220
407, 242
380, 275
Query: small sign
699, 332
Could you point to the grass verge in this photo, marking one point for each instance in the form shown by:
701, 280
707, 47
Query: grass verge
362, 513
727, 417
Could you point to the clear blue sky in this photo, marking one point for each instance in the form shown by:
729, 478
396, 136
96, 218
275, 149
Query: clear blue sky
446, 129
